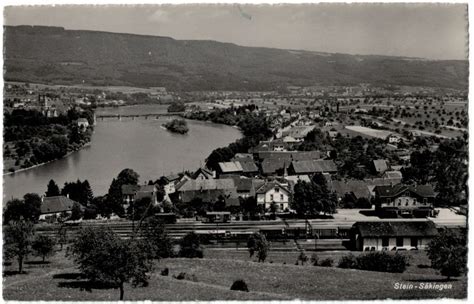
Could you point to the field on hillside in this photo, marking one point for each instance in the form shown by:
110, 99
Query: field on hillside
60, 280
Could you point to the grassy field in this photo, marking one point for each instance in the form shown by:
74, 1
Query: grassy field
60, 280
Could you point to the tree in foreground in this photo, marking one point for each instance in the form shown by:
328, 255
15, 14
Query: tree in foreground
17, 240
154, 232
257, 243
102, 256
43, 246
448, 254
191, 246
29, 209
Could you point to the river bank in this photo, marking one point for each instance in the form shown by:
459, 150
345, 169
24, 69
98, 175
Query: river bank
140, 144
45, 163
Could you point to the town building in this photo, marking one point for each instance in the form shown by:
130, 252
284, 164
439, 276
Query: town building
54, 208
203, 173
355, 189
82, 123
273, 192
388, 236
133, 193
403, 200
230, 168
305, 167
209, 191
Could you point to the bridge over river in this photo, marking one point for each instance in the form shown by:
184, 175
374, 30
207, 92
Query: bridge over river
146, 115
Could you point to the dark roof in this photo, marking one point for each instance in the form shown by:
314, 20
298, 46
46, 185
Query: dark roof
248, 165
393, 191
306, 155
54, 204
275, 154
293, 155
172, 177
381, 181
272, 165
313, 166
210, 190
356, 187
405, 228
270, 185
206, 172
268, 146
130, 189
147, 188
134, 189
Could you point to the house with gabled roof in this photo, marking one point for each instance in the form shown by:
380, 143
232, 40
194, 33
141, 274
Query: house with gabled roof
246, 187
133, 193
54, 207
393, 235
356, 189
274, 166
311, 167
404, 200
209, 191
249, 168
393, 175
274, 193
229, 168
203, 173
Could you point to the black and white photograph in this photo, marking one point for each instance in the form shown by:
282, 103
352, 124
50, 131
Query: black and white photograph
235, 151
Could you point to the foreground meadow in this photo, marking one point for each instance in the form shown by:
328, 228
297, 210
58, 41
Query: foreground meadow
210, 279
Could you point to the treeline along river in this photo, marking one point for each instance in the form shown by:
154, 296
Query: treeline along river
140, 144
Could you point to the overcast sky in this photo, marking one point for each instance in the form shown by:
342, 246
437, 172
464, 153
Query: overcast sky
415, 30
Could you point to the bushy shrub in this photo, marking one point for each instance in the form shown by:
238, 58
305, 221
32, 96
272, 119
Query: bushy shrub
377, 261
180, 276
302, 257
397, 263
185, 276
348, 261
239, 285
328, 262
165, 272
191, 246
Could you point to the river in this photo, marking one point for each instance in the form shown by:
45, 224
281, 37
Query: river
140, 144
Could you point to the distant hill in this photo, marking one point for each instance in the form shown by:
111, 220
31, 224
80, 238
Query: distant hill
58, 56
